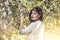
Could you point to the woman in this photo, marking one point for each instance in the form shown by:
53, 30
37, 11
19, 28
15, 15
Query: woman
36, 28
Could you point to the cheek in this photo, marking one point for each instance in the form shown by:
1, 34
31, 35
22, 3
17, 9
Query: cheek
34, 17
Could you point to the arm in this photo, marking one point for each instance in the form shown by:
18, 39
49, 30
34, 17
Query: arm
30, 28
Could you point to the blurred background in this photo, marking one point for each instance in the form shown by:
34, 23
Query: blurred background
14, 13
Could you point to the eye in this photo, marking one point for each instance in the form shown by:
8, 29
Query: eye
35, 13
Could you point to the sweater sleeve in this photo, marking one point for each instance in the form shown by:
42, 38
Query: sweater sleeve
30, 28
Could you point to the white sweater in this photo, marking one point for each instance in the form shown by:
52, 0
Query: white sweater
36, 30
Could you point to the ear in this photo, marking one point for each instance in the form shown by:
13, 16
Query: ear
39, 15
39, 12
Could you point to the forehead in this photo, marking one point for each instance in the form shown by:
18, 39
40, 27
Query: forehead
34, 11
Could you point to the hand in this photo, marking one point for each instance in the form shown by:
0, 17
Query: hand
22, 27
21, 32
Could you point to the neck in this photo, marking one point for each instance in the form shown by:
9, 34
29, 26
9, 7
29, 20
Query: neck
35, 20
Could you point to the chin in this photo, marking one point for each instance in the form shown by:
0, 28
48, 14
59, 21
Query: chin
33, 20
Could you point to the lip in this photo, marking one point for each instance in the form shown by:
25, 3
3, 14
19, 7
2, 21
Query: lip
32, 17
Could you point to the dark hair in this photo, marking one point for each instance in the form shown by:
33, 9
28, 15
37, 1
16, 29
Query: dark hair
39, 11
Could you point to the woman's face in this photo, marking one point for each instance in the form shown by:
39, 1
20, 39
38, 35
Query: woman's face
34, 16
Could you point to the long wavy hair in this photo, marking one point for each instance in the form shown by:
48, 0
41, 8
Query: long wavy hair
39, 11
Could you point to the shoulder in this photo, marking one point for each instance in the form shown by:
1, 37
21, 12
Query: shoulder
39, 22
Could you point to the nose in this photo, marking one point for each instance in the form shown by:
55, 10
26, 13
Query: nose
32, 15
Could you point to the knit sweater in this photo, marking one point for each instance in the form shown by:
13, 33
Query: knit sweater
36, 30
